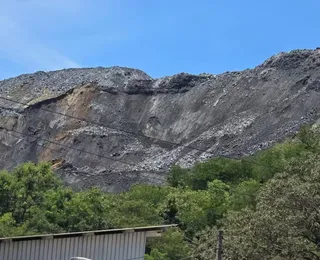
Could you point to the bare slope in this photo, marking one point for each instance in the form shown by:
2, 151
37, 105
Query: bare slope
230, 114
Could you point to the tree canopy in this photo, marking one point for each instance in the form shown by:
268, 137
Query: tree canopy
267, 204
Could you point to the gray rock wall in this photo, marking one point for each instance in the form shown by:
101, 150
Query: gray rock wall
132, 123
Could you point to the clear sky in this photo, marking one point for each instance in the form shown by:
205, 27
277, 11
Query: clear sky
160, 37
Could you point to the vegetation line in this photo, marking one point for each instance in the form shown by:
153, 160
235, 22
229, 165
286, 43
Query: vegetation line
271, 198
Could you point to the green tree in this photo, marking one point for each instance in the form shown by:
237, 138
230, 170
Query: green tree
155, 254
178, 177
286, 222
31, 181
154, 195
88, 210
204, 244
230, 171
140, 206
6, 192
219, 193
275, 159
49, 217
8, 227
309, 136
129, 213
245, 195
188, 208
172, 245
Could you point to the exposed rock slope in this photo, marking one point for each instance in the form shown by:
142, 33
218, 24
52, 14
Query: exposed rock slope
231, 114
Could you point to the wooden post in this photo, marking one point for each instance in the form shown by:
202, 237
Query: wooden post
219, 245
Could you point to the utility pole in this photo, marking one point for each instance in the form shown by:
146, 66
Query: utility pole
219, 245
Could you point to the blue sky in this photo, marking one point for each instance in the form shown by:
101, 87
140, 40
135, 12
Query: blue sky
160, 37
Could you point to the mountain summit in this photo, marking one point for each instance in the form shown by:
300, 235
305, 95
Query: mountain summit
114, 127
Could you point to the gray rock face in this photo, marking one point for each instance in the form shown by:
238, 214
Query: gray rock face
123, 127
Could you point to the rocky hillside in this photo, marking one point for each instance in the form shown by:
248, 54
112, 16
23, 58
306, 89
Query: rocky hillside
116, 126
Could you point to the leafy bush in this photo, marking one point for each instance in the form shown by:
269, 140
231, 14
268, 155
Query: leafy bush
268, 205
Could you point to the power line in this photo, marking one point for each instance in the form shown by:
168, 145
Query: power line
36, 139
55, 150
107, 126
67, 147
70, 147
112, 128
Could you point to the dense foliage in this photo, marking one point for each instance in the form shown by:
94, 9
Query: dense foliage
267, 204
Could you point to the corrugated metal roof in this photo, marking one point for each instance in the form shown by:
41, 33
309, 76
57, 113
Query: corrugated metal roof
119, 246
88, 233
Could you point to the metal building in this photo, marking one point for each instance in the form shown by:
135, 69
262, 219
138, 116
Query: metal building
113, 244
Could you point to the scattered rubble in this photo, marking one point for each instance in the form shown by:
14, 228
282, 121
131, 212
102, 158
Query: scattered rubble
145, 125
